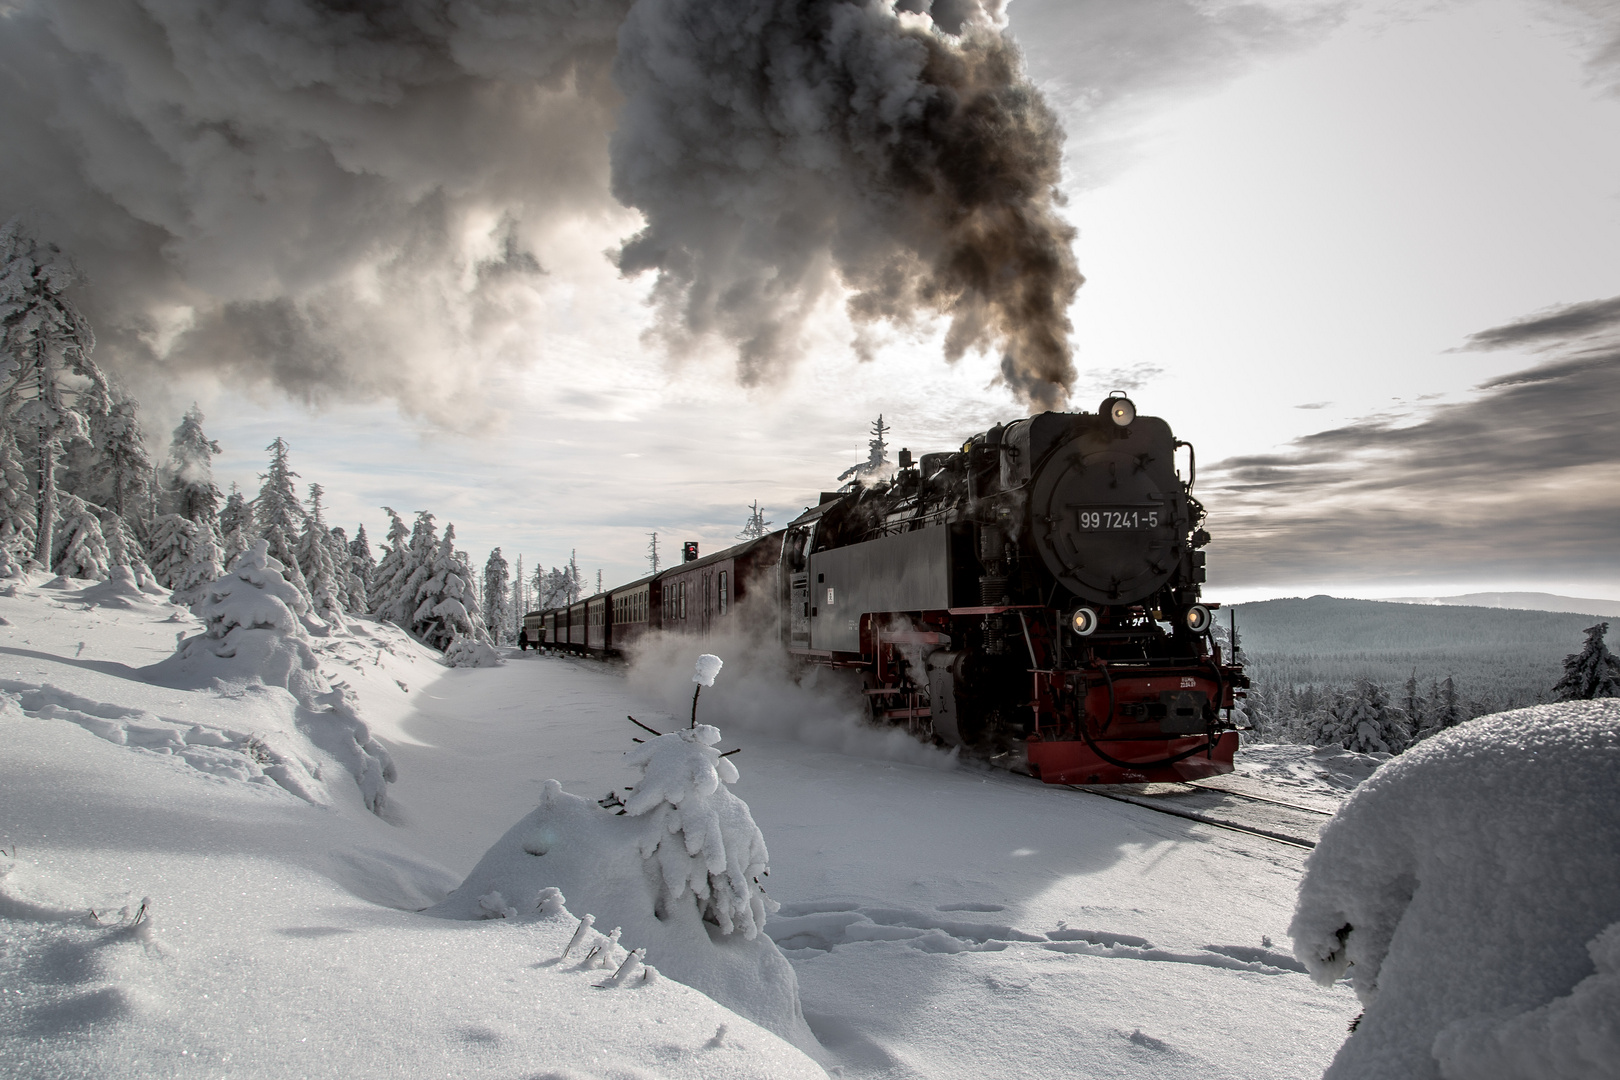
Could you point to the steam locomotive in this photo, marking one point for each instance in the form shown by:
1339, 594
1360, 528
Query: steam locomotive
1032, 597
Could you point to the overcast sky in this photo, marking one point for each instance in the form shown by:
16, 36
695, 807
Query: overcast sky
1363, 256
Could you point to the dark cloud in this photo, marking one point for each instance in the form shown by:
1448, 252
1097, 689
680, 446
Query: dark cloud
1551, 327
1522, 480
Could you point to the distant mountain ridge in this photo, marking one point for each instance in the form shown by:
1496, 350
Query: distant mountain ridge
1520, 601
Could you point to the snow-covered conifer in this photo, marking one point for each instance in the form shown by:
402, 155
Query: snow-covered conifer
236, 532
557, 586
1594, 672
124, 549
321, 579
81, 548
1364, 721
185, 556
120, 474
53, 386
279, 515
519, 600
18, 518
876, 465
445, 607
497, 598
755, 527
416, 571
393, 572
351, 586
1449, 713
1416, 709
701, 839
361, 562
189, 471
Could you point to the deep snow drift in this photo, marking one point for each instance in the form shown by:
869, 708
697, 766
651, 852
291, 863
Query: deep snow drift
942, 921
1471, 891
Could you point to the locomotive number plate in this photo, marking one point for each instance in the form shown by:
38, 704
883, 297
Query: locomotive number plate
1119, 518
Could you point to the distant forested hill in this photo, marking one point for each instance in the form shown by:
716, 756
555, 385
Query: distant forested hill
1498, 656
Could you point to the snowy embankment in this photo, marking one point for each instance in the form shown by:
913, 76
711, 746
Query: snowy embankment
941, 921
1471, 892
177, 899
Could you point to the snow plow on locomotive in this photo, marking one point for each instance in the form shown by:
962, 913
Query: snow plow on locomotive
1033, 597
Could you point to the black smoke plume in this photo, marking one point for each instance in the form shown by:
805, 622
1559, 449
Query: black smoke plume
778, 147
356, 197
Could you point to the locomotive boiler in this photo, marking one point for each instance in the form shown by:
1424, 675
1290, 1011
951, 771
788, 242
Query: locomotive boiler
1032, 597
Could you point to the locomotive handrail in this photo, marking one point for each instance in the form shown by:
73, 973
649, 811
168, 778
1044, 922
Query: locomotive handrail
1192, 463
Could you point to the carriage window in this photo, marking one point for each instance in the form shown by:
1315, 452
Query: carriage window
725, 591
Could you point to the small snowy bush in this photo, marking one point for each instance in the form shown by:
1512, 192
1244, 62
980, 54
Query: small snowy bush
677, 867
468, 651
1471, 891
701, 838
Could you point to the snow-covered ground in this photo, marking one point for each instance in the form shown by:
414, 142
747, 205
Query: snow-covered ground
943, 920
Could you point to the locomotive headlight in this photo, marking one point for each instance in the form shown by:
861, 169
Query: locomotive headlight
1120, 410
1084, 621
1198, 618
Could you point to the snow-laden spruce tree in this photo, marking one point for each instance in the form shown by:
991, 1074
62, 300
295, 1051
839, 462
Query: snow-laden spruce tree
1594, 672
279, 515
185, 556
236, 531
1364, 721
124, 549
445, 607
363, 566
497, 598
18, 517
112, 469
81, 547
352, 584
257, 630
321, 578
189, 472
701, 839
393, 572
52, 387
417, 568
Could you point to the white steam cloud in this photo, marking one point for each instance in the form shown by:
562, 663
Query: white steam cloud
353, 197
761, 689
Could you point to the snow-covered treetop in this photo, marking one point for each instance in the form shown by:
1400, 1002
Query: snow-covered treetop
277, 506
191, 469
44, 338
253, 595
708, 666
1594, 672
701, 837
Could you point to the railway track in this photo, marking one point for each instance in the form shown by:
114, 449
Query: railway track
1223, 808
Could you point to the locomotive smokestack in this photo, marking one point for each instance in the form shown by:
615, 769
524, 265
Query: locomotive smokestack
779, 148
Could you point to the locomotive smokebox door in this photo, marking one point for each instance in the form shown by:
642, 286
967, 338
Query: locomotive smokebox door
1108, 515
